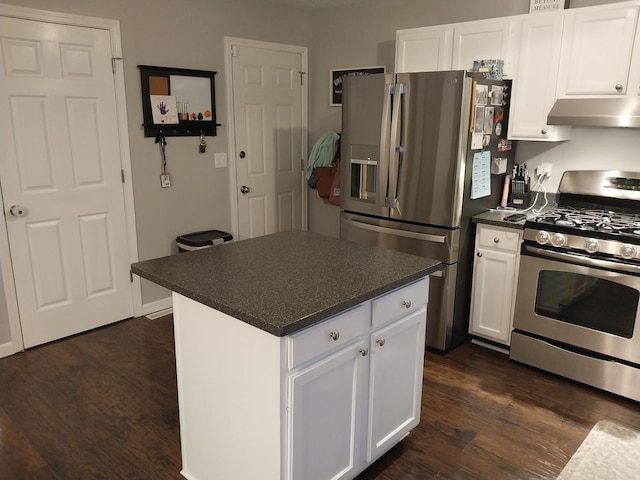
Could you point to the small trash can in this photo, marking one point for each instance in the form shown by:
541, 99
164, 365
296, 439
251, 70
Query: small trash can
204, 239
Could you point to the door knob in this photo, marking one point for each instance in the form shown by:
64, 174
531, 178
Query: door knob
17, 211
244, 189
242, 154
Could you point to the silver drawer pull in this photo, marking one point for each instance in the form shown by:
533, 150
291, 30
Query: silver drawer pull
381, 342
363, 351
334, 335
406, 303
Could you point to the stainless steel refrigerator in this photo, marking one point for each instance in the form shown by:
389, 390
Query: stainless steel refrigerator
415, 150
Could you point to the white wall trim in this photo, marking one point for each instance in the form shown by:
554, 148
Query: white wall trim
113, 26
157, 306
231, 143
7, 349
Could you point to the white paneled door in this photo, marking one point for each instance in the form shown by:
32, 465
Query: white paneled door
269, 129
61, 179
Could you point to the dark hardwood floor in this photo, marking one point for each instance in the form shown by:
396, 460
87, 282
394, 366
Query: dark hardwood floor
103, 406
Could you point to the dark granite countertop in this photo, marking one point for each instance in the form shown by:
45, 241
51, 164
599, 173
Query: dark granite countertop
286, 281
497, 217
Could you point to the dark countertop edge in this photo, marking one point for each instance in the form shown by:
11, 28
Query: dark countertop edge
497, 218
299, 324
347, 304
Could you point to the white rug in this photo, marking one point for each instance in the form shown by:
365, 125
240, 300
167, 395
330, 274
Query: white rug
610, 452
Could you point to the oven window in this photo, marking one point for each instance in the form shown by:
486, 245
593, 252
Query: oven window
591, 302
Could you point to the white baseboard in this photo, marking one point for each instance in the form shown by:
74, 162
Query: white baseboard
157, 306
7, 349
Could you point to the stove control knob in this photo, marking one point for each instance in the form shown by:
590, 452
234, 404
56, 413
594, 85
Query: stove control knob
627, 251
558, 240
591, 245
542, 237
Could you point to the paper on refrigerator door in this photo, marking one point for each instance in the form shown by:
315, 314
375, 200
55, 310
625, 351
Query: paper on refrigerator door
481, 175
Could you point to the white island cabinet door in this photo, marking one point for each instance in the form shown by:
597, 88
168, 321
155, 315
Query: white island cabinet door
325, 404
397, 359
597, 51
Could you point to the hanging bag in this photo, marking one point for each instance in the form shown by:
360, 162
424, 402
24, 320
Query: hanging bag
334, 194
325, 175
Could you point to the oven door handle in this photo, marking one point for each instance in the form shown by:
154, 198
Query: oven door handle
579, 260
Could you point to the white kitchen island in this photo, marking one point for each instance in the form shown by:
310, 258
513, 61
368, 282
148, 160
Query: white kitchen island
288, 371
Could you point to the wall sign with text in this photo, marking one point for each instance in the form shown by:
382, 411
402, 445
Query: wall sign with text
536, 6
335, 89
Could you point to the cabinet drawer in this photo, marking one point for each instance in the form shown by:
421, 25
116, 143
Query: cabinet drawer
399, 302
499, 238
328, 335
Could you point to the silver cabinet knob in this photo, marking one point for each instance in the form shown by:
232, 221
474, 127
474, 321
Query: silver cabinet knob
17, 210
334, 335
244, 189
496, 240
406, 303
363, 351
381, 342
619, 87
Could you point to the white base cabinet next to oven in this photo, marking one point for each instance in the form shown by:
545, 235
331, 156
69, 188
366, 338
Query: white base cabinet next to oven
495, 276
322, 403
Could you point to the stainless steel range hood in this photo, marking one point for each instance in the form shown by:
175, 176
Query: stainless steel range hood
596, 112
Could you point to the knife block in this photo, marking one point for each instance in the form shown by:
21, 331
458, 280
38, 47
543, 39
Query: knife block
520, 194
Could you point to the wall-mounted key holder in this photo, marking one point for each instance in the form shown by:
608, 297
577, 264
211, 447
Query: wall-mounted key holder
178, 101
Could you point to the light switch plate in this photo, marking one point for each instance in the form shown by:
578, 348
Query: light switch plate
220, 160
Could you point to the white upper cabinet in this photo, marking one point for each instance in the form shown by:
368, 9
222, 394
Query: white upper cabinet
457, 45
485, 39
426, 49
597, 51
581, 52
534, 86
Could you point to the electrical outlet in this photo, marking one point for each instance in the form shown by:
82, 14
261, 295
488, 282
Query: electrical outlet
544, 169
220, 160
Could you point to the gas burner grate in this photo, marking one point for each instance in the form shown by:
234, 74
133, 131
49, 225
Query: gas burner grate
603, 221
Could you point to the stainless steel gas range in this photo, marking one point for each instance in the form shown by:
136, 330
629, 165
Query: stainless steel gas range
577, 308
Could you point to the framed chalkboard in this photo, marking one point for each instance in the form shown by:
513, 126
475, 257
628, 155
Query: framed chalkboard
335, 88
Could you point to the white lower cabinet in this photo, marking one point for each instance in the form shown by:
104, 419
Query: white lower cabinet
320, 404
495, 274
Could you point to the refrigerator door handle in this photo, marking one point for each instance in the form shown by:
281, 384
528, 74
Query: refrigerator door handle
394, 148
395, 232
383, 165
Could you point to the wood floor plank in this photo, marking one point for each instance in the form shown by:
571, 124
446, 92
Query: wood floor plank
103, 406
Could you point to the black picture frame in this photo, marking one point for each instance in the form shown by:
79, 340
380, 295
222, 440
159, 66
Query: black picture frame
335, 87
156, 80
